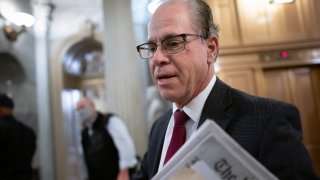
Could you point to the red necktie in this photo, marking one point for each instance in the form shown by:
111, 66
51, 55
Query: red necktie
179, 134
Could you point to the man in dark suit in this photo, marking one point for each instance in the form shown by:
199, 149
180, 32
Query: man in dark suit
181, 50
18, 144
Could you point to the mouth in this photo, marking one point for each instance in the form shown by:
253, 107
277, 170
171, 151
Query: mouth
165, 79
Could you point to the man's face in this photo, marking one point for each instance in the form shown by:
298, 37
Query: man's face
83, 103
180, 76
86, 110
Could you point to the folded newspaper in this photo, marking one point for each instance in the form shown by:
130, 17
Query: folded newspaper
211, 154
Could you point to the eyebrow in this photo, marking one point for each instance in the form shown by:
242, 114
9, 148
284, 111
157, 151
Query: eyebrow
165, 37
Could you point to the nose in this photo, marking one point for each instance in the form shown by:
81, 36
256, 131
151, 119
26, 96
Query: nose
159, 56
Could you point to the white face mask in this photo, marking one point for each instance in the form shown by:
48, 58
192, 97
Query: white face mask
86, 115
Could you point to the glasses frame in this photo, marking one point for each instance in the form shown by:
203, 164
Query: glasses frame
184, 42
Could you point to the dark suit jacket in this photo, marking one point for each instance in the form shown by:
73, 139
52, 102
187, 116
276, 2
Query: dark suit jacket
18, 144
269, 130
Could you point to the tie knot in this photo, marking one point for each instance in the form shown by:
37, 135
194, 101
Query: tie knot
180, 117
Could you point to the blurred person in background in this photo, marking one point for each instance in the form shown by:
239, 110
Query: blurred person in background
109, 151
18, 144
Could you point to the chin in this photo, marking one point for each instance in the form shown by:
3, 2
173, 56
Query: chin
171, 97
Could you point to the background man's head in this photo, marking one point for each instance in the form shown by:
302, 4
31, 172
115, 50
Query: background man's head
85, 103
86, 109
6, 105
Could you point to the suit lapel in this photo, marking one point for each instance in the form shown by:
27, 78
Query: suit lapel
217, 105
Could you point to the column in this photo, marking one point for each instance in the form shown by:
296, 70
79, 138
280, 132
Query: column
45, 138
125, 81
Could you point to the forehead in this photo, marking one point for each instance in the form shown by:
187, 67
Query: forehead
169, 19
83, 103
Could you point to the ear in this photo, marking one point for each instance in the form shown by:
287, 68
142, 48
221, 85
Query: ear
213, 48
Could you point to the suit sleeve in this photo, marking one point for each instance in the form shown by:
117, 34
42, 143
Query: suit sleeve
142, 173
282, 151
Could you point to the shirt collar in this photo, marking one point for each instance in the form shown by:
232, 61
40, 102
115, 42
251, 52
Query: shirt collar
194, 108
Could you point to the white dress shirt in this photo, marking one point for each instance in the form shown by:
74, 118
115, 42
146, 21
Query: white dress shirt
123, 142
193, 109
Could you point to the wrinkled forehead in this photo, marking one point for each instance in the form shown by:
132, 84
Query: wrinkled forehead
160, 29
169, 19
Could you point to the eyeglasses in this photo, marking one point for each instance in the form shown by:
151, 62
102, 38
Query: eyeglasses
170, 45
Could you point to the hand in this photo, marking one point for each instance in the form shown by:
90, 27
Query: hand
123, 174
